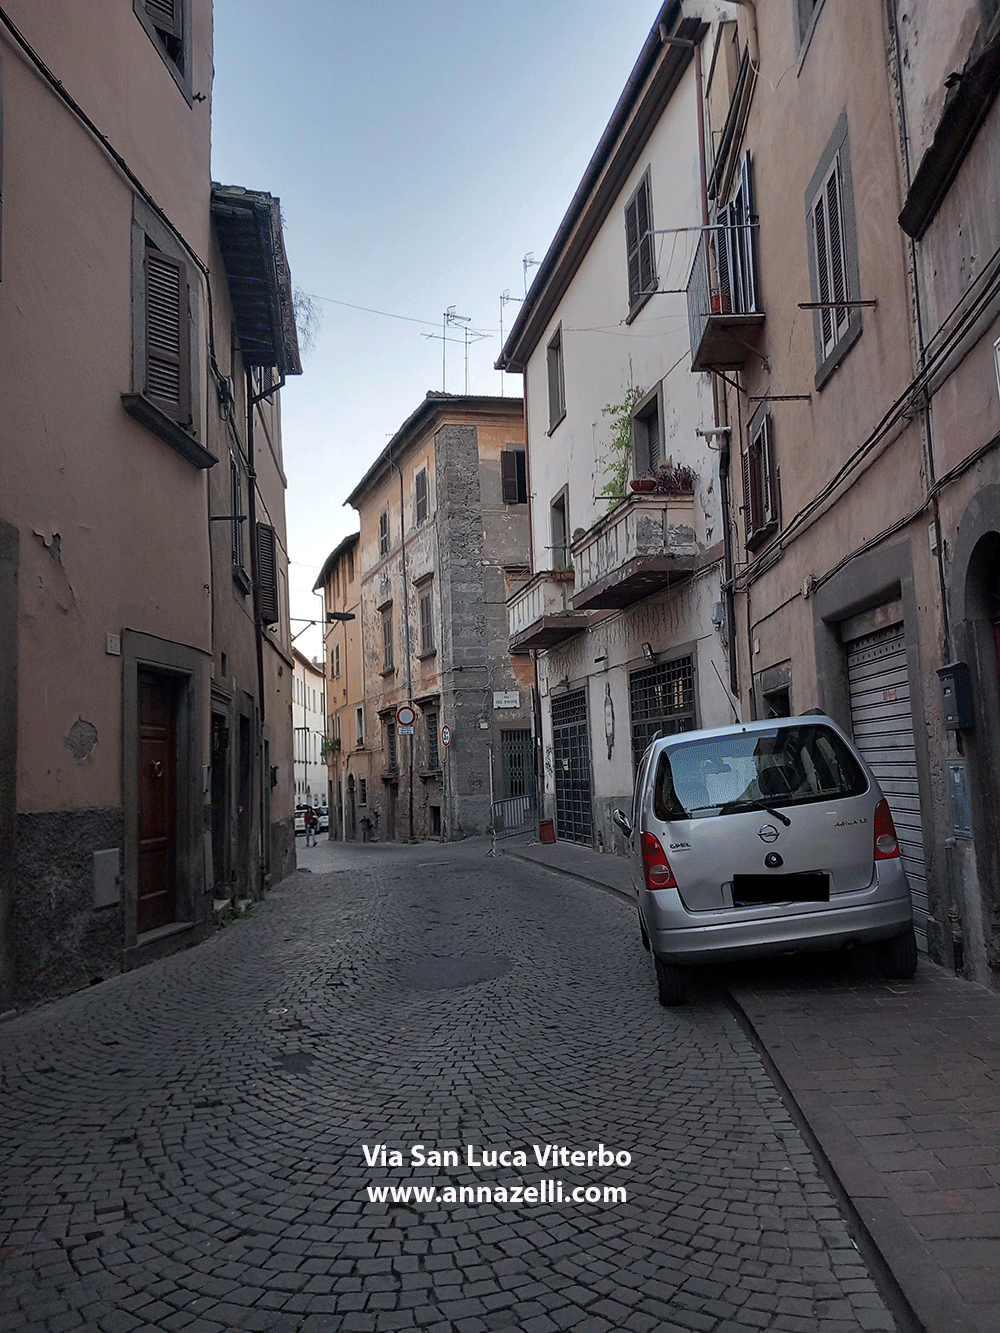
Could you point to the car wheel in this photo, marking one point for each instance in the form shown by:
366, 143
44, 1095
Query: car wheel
897, 958
671, 982
642, 932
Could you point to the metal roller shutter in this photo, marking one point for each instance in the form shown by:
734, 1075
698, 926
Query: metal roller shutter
882, 722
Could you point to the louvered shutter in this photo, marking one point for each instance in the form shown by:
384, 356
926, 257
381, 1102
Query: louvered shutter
267, 574
420, 486
723, 239
838, 259
508, 476
632, 249
644, 222
653, 439
748, 237
167, 365
747, 495
768, 475
165, 15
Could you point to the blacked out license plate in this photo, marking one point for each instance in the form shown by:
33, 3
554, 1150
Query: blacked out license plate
755, 890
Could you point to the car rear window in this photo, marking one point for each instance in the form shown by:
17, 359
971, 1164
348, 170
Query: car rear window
724, 775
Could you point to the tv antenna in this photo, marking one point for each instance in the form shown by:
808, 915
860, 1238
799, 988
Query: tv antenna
505, 299
529, 261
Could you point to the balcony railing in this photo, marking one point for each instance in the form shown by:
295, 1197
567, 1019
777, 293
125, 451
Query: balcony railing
723, 296
643, 546
541, 612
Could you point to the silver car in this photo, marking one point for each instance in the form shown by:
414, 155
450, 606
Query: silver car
763, 838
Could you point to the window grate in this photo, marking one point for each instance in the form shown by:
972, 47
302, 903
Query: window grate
662, 700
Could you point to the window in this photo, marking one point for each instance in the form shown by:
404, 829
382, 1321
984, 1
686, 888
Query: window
362, 791
433, 754
639, 244
267, 574
662, 702
805, 18
168, 23
647, 434
736, 248
420, 491
760, 483
557, 380
560, 532
387, 656
392, 759
426, 623
383, 533
360, 733
514, 475
167, 350
833, 255
336, 660
236, 509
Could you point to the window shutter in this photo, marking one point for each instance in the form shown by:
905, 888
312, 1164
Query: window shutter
235, 501
632, 250
644, 220
420, 486
653, 439
508, 476
748, 495
768, 475
722, 243
822, 271
748, 236
167, 366
557, 393
165, 15
267, 574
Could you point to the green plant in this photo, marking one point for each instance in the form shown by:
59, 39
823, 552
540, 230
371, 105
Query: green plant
330, 745
674, 479
620, 461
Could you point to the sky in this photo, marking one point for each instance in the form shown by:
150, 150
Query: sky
420, 151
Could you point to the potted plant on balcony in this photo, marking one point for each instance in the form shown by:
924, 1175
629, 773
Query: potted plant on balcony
674, 479
620, 462
645, 483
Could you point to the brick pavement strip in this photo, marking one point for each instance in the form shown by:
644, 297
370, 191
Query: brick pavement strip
183, 1145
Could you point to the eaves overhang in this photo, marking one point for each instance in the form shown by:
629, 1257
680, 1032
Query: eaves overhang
247, 226
333, 557
644, 99
459, 409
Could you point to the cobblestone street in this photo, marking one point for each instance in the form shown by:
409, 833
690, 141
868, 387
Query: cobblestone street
182, 1146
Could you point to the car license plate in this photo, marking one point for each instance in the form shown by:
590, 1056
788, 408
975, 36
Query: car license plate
812, 886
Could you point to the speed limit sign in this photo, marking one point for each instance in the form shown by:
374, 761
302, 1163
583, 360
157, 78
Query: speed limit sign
446, 735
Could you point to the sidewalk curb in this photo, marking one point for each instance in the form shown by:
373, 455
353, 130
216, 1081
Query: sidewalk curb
918, 1300
570, 874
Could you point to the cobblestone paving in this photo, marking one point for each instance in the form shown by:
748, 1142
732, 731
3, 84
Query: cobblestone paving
181, 1148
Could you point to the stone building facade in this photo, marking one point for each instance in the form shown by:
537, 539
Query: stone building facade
441, 540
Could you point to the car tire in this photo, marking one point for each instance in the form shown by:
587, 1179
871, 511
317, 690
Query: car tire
642, 932
671, 983
897, 958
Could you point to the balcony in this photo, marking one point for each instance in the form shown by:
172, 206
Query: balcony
640, 548
723, 297
541, 614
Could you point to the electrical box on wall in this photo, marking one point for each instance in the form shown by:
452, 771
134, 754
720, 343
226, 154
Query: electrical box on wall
956, 697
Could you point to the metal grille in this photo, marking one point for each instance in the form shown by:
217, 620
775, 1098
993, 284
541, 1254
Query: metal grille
662, 700
571, 754
433, 757
390, 734
517, 768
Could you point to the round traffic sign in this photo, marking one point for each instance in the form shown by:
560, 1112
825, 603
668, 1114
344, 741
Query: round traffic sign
405, 715
446, 735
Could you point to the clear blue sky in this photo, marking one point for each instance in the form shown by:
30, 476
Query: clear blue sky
420, 150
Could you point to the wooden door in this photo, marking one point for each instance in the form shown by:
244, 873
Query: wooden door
157, 895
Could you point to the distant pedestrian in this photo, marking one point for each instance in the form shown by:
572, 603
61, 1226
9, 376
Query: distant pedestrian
311, 822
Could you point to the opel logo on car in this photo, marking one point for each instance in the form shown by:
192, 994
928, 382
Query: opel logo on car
767, 833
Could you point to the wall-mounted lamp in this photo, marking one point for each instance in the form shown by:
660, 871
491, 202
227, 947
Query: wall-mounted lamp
647, 652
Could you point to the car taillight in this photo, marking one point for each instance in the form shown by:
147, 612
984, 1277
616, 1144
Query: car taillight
655, 865
886, 842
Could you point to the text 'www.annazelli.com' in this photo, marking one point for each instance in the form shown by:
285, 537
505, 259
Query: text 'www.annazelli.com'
552, 1192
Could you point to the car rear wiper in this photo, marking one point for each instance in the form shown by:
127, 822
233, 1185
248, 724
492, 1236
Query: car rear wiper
734, 806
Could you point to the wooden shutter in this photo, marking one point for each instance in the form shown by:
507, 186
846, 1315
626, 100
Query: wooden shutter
723, 242
420, 485
831, 257
644, 219
168, 375
557, 393
748, 237
165, 15
508, 476
632, 249
267, 574
768, 474
748, 495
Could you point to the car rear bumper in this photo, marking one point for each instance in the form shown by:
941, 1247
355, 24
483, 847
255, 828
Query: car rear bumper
680, 936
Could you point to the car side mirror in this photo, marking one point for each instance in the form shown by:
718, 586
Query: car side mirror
620, 818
